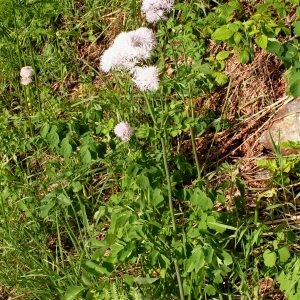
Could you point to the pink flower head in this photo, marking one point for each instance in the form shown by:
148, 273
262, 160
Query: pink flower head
26, 74
123, 131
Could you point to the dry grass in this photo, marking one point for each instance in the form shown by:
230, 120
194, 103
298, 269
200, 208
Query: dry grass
255, 93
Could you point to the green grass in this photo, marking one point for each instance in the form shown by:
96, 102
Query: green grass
86, 216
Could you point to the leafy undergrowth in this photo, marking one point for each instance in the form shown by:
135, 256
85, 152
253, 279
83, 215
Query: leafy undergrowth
183, 208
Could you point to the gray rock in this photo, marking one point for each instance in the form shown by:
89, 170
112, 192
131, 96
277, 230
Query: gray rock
286, 127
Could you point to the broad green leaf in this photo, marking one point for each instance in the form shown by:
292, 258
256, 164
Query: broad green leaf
222, 34
64, 200
294, 87
222, 55
274, 46
44, 210
76, 186
210, 290
221, 78
196, 261
284, 254
44, 130
234, 27
73, 292
85, 155
145, 280
129, 280
219, 227
95, 269
217, 276
86, 279
297, 28
262, 41
143, 182
227, 258
237, 37
66, 148
269, 258
200, 199
143, 131
53, 137
243, 56
157, 198
285, 283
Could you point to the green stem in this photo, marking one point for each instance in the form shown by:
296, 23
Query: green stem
256, 211
171, 208
27, 101
21, 63
193, 142
17, 34
35, 78
150, 110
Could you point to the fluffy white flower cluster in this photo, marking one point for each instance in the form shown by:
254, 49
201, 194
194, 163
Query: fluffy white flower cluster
123, 131
156, 10
128, 49
146, 78
26, 74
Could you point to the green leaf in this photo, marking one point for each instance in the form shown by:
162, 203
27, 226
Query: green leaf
143, 182
221, 78
129, 280
297, 28
66, 148
76, 186
269, 258
227, 258
237, 37
275, 47
44, 209
243, 55
73, 292
143, 131
145, 280
64, 200
262, 41
196, 261
294, 87
200, 199
222, 34
53, 137
210, 290
219, 227
157, 198
85, 155
44, 130
284, 254
95, 269
222, 55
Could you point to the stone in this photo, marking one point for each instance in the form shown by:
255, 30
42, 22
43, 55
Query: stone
285, 127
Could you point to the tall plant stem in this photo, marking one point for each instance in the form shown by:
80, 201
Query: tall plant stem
171, 208
21, 63
195, 154
193, 142
191, 130
17, 33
